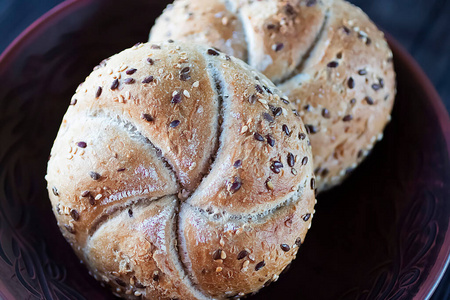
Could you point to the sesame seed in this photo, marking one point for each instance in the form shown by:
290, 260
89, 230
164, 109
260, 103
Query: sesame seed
94, 175
301, 136
74, 214
353, 101
277, 47
115, 84
298, 241
148, 79
196, 84
310, 3
269, 184
332, 64
362, 72
268, 117
73, 101
98, 197
285, 247
242, 254
311, 129
130, 213
121, 170
170, 41
99, 92
286, 130
313, 183
150, 61
381, 82
368, 41
186, 93
270, 26
176, 98
306, 217
85, 193
174, 123
147, 117
155, 46
285, 101
130, 71
55, 191
227, 57
260, 265
351, 83
223, 255
324, 172
237, 163
346, 30
347, 118
270, 140
290, 159
305, 160
258, 137
294, 171
369, 100
325, 113
212, 52
219, 269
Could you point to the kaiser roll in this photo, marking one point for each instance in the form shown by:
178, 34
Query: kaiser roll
181, 173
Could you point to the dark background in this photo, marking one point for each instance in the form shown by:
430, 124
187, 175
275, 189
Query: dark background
421, 26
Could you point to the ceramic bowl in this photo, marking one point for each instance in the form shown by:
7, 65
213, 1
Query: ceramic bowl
383, 234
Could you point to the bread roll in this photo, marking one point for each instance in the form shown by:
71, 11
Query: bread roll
326, 55
181, 173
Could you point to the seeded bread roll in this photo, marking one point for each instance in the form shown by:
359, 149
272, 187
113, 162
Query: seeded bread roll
326, 56
181, 173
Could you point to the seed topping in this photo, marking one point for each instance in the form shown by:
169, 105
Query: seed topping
74, 214
148, 79
94, 175
290, 159
212, 52
258, 137
147, 117
260, 265
285, 247
99, 92
270, 140
242, 254
174, 123
115, 84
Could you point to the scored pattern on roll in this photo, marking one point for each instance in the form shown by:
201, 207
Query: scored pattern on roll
326, 56
180, 172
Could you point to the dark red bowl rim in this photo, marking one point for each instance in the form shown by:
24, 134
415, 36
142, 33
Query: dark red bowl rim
417, 74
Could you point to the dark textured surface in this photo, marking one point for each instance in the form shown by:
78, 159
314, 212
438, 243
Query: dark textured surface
421, 28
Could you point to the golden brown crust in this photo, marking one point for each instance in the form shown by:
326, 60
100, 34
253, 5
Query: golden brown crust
298, 43
120, 142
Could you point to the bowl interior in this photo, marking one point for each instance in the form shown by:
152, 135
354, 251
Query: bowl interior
382, 234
